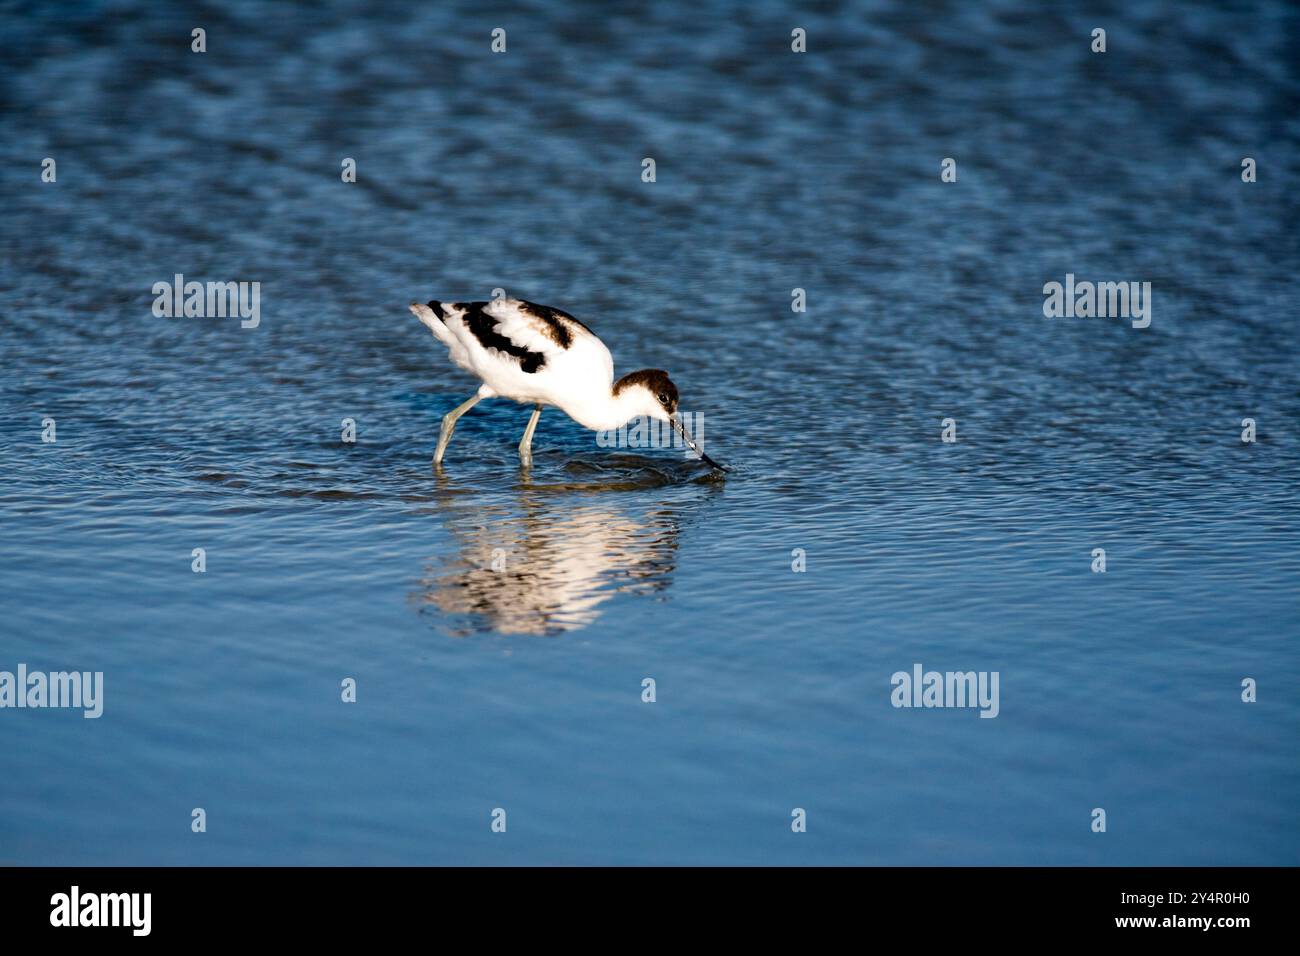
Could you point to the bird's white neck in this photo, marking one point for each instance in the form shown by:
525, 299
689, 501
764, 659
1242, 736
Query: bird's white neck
605, 411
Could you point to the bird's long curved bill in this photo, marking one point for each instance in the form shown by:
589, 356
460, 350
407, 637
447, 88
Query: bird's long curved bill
690, 443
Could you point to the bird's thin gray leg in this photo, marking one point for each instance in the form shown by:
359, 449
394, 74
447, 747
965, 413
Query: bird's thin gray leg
449, 426
526, 443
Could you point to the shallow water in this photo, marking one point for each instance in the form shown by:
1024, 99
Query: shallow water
520, 687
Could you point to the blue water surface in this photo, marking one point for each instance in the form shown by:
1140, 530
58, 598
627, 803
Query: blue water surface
520, 687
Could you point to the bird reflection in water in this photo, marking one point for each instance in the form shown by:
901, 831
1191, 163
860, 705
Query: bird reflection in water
546, 566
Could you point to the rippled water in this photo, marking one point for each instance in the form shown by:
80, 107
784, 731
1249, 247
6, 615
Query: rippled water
520, 687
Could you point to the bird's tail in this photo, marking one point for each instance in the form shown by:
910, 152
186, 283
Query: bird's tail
431, 315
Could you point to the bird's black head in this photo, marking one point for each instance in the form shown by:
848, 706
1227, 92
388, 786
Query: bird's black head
656, 382
659, 395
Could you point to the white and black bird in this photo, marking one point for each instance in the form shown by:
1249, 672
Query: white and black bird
541, 356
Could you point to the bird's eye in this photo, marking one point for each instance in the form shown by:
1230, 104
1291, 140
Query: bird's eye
663, 399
